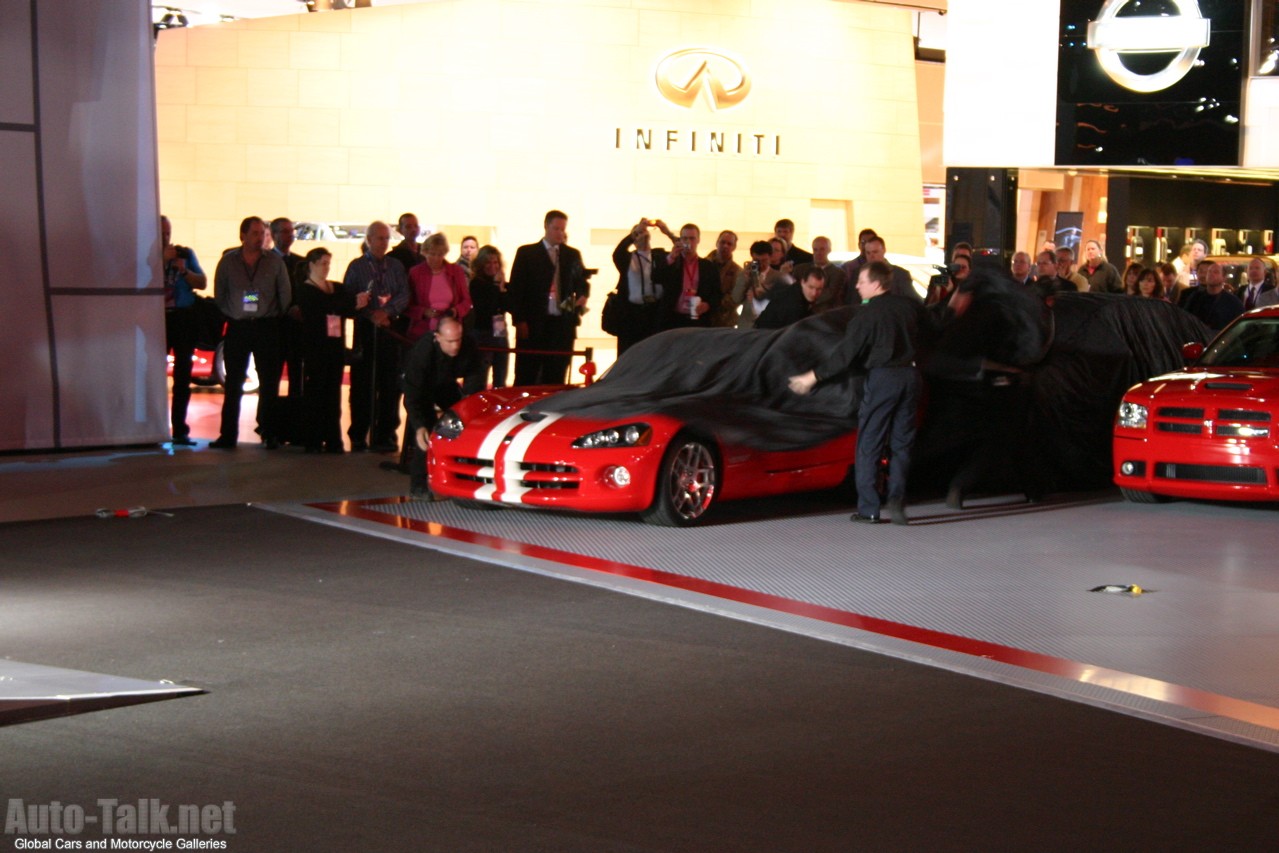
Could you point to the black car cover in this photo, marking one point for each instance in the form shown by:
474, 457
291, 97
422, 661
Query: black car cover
1079, 356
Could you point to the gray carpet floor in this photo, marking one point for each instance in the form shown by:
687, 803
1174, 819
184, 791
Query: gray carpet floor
367, 695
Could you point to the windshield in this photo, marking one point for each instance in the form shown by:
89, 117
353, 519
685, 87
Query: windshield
1248, 343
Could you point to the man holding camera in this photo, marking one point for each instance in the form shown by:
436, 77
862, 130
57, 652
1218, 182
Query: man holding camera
637, 263
690, 284
548, 292
755, 284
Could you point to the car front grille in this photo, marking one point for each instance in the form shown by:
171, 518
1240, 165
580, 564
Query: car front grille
546, 475
1243, 415
1174, 426
1240, 474
1189, 421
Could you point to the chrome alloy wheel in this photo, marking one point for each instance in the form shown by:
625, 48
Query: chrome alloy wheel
692, 480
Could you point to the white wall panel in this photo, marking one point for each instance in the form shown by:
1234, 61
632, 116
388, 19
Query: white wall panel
1001, 82
83, 348
108, 363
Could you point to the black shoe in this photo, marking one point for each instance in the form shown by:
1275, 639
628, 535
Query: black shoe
955, 498
223, 444
864, 519
897, 512
313, 448
385, 447
271, 443
359, 446
334, 448
183, 441
395, 467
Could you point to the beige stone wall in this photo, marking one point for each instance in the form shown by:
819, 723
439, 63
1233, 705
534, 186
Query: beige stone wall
480, 115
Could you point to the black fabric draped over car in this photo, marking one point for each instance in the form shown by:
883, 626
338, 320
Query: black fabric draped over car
1078, 358
1102, 345
728, 383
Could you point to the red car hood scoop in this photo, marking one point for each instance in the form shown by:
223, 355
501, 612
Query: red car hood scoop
1228, 386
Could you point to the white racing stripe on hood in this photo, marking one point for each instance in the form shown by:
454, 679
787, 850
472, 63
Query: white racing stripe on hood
512, 492
489, 448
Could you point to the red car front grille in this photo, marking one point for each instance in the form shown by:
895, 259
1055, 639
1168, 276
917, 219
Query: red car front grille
1211, 473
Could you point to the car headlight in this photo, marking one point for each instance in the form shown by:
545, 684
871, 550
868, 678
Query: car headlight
1132, 415
449, 425
630, 435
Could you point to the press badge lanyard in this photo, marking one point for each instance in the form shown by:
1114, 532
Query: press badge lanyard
252, 297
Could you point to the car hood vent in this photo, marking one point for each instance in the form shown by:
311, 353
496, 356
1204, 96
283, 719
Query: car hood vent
1228, 386
532, 417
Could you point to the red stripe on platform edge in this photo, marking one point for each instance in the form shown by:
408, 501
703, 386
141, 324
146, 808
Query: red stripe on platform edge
1124, 682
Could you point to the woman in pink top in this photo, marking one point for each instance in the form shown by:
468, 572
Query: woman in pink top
437, 289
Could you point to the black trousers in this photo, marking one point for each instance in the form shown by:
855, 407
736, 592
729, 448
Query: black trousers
496, 360
886, 420
375, 386
180, 336
261, 339
549, 333
292, 347
321, 392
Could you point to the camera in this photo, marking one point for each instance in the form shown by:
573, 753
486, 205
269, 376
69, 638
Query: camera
753, 266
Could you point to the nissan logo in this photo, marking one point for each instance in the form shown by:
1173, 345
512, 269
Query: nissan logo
1185, 34
685, 74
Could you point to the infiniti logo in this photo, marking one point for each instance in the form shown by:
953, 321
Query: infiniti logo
685, 74
1184, 34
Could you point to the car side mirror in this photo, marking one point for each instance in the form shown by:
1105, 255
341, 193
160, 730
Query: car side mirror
1192, 352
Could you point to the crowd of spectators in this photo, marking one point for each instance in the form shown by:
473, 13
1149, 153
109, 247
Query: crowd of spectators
285, 311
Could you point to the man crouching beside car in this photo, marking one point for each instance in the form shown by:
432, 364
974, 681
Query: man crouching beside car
431, 372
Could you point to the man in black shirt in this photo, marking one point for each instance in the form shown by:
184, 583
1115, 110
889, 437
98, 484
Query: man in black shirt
431, 372
881, 339
408, 252
793, 302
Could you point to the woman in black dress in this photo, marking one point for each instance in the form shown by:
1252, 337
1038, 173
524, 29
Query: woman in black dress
488, 294
324, 305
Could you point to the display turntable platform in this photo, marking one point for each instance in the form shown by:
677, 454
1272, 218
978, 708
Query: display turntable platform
1001, 590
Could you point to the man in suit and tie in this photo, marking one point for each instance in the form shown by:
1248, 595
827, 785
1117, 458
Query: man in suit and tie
1256, 286
548, 291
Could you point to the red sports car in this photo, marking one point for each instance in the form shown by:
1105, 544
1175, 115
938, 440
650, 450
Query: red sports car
491, 448
684, 419
1207, 431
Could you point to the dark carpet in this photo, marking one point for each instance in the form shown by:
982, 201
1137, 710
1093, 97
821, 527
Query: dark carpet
367, 695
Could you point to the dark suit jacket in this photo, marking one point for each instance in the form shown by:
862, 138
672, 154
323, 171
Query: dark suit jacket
672, 278
798, 255
787, 306
531, 275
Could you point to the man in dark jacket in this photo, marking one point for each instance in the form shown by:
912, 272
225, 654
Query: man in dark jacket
690, 284
548, 292
431, 371
881, 339
793, 302
1212, 303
